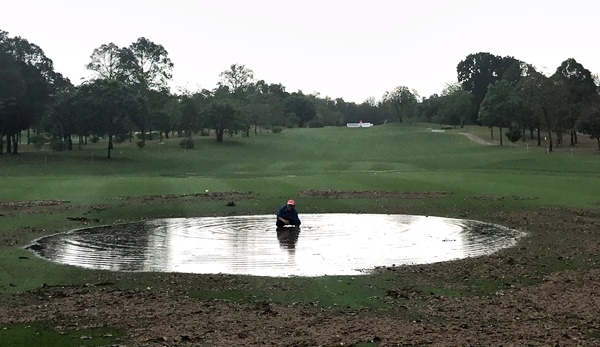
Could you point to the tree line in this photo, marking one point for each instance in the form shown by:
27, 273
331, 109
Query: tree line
128, 97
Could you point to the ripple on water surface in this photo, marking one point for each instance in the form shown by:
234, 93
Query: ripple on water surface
326, 244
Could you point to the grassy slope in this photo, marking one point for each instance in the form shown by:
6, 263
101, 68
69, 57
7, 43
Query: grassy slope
275, 167
390, 157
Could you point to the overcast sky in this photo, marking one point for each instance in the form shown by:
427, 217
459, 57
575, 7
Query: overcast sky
349, 49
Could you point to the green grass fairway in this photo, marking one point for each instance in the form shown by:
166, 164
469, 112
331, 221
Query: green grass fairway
280, 165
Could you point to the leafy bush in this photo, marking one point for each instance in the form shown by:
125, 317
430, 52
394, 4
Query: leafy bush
140, 144
95, 139
514, 134
187, 143
277, 130
316, 123
120, 138
58, 145
38, 141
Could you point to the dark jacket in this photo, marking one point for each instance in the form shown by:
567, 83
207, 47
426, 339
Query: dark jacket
291, 215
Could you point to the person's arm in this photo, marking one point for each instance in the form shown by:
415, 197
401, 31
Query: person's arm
280, 215
296, 219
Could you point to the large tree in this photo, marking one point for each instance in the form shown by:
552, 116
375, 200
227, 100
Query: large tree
580, 88
403, 100
222, 116
106, 62
108, 107
589, 123
239, 81
429, 107
145, 66
300, 107
27, 87
545, 100
238, 78
455, 107
479, 70
499, 107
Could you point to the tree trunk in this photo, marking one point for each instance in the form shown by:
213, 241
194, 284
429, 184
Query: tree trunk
70, 142
539, 136
8, 144
143, 135
492, 132
15, 139
401, 111
500, 135
572, 138
80, 141
110, 146
531, 133
219, 133
575, 136
248, 131
550, 139
28, 140
598, 138
524, 136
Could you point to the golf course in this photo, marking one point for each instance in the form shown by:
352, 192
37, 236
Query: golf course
543, 291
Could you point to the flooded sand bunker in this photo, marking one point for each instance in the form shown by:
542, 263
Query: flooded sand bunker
326, 244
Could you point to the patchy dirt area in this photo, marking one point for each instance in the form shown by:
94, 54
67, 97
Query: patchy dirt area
373, 194
500, 198
34, 206
544, 292
58, 206
170, 198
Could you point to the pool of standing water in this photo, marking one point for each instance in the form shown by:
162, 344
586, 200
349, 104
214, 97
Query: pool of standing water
326, 244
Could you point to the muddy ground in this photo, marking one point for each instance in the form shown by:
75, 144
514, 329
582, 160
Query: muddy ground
543, 292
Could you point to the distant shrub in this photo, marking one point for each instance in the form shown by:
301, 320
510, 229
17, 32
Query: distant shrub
204, 132
187, 143
58, 145
120, 138
446, 127
277, 129
317, 123
95, 139
140, 144
514, 134
38, 141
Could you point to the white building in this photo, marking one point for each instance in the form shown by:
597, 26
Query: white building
360, 124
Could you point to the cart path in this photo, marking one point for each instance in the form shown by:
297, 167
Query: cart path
477, 139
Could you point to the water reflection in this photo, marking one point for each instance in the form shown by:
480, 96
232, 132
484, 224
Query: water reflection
327, 244
288, 237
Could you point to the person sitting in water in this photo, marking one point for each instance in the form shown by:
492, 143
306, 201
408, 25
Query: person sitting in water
287, 215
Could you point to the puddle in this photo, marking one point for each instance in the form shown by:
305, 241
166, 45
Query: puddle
326, 244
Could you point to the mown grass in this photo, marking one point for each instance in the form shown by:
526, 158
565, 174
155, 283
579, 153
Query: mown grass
36, 335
